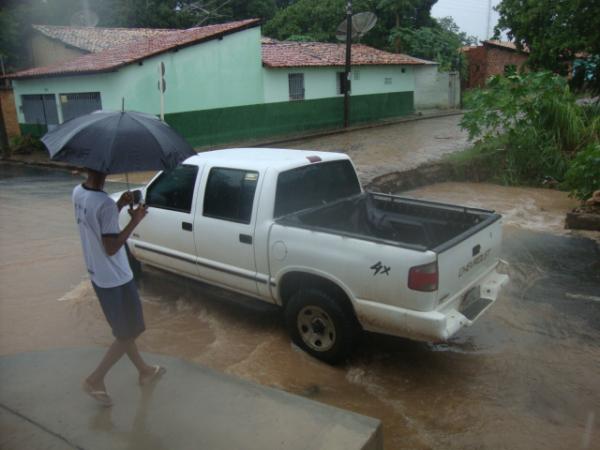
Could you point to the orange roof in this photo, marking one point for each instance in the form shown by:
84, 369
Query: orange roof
319, 54
505, 44
93, 39
139, 49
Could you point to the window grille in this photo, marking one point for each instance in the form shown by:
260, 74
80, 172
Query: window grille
387, 80
296, 84
75, 105
39, 109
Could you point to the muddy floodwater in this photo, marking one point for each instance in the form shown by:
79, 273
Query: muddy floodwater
394, 147
525, 376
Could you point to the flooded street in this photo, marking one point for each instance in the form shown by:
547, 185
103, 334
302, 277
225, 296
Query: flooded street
525, 376
394, 147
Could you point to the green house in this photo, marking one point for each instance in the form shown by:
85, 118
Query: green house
223, 82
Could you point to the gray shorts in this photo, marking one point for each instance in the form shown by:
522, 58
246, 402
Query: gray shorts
123, 310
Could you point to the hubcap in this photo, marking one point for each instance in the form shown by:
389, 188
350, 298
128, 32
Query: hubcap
316, 328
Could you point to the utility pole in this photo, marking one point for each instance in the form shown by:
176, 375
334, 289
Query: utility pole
488, 32
346, 84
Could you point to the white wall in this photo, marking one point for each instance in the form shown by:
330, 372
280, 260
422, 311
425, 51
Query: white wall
434, 89
321, 82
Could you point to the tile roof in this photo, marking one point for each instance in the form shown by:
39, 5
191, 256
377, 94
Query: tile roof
93, 40
505, 44
113, 58
319, 54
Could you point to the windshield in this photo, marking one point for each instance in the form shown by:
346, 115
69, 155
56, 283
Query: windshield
313, 185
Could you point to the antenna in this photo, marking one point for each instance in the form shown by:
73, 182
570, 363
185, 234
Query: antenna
361, 23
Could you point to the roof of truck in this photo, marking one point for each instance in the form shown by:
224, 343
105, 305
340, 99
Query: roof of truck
260, 158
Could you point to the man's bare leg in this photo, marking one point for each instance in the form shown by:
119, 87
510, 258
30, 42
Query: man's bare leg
114, 353
133, 353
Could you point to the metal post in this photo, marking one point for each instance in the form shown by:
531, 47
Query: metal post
348, 61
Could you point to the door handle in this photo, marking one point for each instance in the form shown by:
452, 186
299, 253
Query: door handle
246, 239
186, 226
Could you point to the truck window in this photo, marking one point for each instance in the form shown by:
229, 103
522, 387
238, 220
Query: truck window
313, 185
173, 189
230, 194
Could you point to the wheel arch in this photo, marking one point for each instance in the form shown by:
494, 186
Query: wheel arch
295, 280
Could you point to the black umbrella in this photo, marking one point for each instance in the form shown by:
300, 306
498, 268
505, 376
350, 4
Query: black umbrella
117, 142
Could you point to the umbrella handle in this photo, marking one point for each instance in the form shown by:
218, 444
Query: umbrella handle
129, 190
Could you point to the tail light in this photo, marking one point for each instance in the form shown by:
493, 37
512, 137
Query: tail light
423, 278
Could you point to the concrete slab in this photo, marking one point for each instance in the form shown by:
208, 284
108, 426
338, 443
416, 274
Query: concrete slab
191, 407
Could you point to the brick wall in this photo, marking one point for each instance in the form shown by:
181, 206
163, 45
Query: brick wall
487, 60
477, 61
498, 59
9, 112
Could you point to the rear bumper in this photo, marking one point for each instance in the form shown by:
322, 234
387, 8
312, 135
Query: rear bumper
440, 324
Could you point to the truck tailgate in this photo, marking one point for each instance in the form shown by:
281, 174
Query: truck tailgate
467, 260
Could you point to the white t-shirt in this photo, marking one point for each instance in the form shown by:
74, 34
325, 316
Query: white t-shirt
97, 215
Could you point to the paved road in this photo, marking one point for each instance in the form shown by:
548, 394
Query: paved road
391, 148
524, 376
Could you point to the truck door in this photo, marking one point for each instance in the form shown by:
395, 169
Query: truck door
224, 229
166, 236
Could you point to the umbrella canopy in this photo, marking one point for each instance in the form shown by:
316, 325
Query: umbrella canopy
117, 142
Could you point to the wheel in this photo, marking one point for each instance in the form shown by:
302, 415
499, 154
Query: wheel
321, 326
136, 266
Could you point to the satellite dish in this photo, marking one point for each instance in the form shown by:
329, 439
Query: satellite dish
84, 18
361, 23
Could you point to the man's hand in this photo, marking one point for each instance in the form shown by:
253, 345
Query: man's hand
125, 199
112, 244
138, 213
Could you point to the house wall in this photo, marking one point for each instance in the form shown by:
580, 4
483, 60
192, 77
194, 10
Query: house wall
498, 59
46, 51
321, 82
219, 73
486, 60
435, 89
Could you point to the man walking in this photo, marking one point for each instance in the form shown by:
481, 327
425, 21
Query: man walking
106, 260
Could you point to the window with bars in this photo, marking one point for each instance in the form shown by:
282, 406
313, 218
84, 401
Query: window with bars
78, 104
296, 85
39, 109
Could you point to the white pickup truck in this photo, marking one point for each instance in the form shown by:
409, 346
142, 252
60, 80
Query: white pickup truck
296, 229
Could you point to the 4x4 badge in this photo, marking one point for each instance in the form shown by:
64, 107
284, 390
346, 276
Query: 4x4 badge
380, 268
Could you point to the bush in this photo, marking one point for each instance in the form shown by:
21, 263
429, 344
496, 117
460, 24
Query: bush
583, 176
25, 145
539, 124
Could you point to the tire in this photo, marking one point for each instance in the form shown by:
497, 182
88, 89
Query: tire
136, 266
321, 326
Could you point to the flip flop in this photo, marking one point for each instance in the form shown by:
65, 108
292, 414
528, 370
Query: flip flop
159, 371
101, 397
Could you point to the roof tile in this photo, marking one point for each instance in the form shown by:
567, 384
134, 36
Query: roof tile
113, 58
318, 54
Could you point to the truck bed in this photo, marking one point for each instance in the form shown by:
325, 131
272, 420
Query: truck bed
417, 224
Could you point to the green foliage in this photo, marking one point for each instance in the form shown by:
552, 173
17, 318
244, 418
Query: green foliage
319, 19
535, 117
441, 43
554, 31
25, 144
583, 176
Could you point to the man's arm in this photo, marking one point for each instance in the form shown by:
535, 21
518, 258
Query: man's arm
113, 243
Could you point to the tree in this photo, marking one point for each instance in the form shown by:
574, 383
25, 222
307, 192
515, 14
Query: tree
318, 20
553, 31
440, 42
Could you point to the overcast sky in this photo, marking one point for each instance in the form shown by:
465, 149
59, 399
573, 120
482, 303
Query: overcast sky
470, 15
